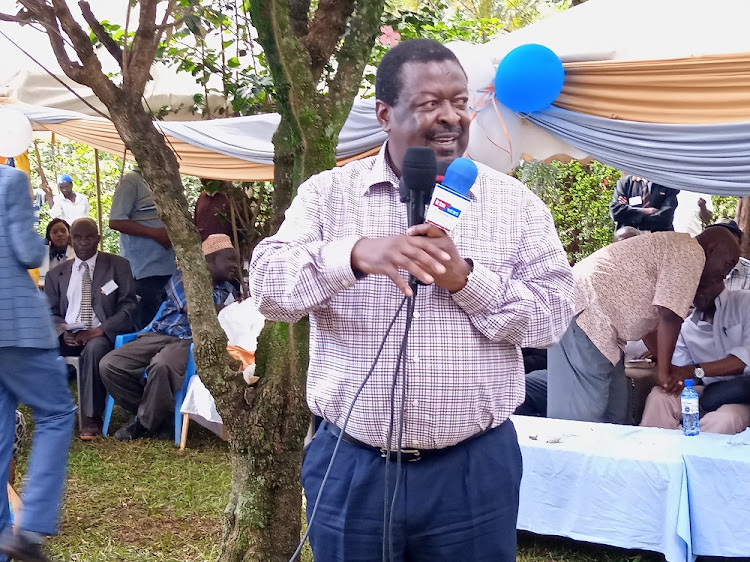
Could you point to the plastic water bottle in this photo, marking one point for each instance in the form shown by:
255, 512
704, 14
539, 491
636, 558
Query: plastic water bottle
690, 413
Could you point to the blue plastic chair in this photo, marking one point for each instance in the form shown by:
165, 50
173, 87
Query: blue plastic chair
179, 396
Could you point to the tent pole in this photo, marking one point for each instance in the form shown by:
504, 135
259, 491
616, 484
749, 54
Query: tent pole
99, 199
54, 156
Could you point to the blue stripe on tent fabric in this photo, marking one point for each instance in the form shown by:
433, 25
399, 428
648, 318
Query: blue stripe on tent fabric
713, 158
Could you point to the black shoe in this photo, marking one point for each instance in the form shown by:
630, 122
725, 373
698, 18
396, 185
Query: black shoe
19, 547
130, 431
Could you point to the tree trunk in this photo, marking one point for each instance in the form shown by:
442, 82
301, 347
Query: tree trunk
262, 520
743, 221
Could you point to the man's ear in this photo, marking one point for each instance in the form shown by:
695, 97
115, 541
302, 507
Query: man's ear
384, 113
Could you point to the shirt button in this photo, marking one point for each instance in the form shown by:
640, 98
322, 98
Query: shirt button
416, 315
415, 358
415, 403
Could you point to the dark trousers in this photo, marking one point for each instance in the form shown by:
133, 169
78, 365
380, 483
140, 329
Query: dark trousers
164, 359
92, 393
458, 504
733, 391
151, 293
39, 379
535, 403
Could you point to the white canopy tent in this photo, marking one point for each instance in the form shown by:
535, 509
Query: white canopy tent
643, 31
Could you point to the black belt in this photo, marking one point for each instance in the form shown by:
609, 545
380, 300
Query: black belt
408, 455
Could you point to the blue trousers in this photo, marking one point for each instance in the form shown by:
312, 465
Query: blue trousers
458, 504
39, 379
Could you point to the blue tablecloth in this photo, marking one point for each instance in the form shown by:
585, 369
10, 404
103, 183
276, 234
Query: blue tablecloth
617, 485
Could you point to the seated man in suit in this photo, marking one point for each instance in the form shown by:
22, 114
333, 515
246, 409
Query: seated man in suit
163, 349
93, 300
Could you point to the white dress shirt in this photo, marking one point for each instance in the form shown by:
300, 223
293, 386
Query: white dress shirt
68, 210
75, 289
702, 342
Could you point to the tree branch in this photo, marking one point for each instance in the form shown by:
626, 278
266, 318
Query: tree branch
326, 29
353, 56
45, 15
22, 17
106, 39
143, 50
298, 11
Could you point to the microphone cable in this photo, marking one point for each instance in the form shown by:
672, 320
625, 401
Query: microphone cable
400, 365
346, 422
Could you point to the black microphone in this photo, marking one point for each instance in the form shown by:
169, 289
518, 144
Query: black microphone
418, 173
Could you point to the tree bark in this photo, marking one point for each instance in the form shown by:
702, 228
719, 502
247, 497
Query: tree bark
742, 218
262, 520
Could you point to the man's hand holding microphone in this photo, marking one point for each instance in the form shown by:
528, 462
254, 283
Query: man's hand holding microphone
426, 251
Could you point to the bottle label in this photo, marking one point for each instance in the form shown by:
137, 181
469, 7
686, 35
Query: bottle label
689, 405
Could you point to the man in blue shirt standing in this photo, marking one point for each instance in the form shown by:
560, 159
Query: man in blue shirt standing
31, 372
143, 241
163, 350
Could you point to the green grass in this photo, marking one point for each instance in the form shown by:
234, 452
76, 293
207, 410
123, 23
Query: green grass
146, 501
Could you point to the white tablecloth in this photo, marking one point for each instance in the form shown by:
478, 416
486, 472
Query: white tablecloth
718, 475
635, 487
200, 405
617, 485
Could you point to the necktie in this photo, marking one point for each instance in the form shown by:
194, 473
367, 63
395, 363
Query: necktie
86, 315
645, 194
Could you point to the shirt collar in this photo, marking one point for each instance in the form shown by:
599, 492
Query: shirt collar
91, 261
720, 301
381, 174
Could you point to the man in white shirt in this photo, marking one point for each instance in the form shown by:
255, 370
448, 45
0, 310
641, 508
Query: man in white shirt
67, 205
693, 212
714, 345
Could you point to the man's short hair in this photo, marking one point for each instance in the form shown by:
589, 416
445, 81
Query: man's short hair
388, 80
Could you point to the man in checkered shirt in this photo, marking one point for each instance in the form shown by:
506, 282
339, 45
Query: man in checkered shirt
500, 281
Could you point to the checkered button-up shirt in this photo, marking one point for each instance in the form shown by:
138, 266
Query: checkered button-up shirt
464, 367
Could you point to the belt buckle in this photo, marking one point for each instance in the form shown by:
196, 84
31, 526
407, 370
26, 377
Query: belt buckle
415, 453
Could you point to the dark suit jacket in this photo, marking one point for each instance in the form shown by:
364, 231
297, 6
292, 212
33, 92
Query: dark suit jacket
115, 311
660, 197
24, 314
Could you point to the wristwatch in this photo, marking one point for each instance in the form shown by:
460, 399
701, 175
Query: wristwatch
699, 372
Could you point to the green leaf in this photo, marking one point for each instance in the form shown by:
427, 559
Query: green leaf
233, 62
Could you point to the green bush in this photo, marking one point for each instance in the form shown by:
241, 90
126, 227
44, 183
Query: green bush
578, 197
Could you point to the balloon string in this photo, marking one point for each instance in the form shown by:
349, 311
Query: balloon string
487, 98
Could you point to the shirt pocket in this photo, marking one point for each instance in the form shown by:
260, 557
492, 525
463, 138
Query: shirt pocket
733, 336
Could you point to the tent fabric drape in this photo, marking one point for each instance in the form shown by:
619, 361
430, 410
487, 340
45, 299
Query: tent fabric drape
708, 89
235, 149
703, 158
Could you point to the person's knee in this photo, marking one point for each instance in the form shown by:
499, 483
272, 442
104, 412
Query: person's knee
105, 367
728, 419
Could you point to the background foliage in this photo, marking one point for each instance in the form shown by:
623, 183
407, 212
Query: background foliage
578, 197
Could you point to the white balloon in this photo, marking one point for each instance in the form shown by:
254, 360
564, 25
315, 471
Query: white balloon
495, 137
477, 63
15, 133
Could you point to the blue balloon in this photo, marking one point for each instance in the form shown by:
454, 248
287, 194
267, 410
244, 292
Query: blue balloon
529, 78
